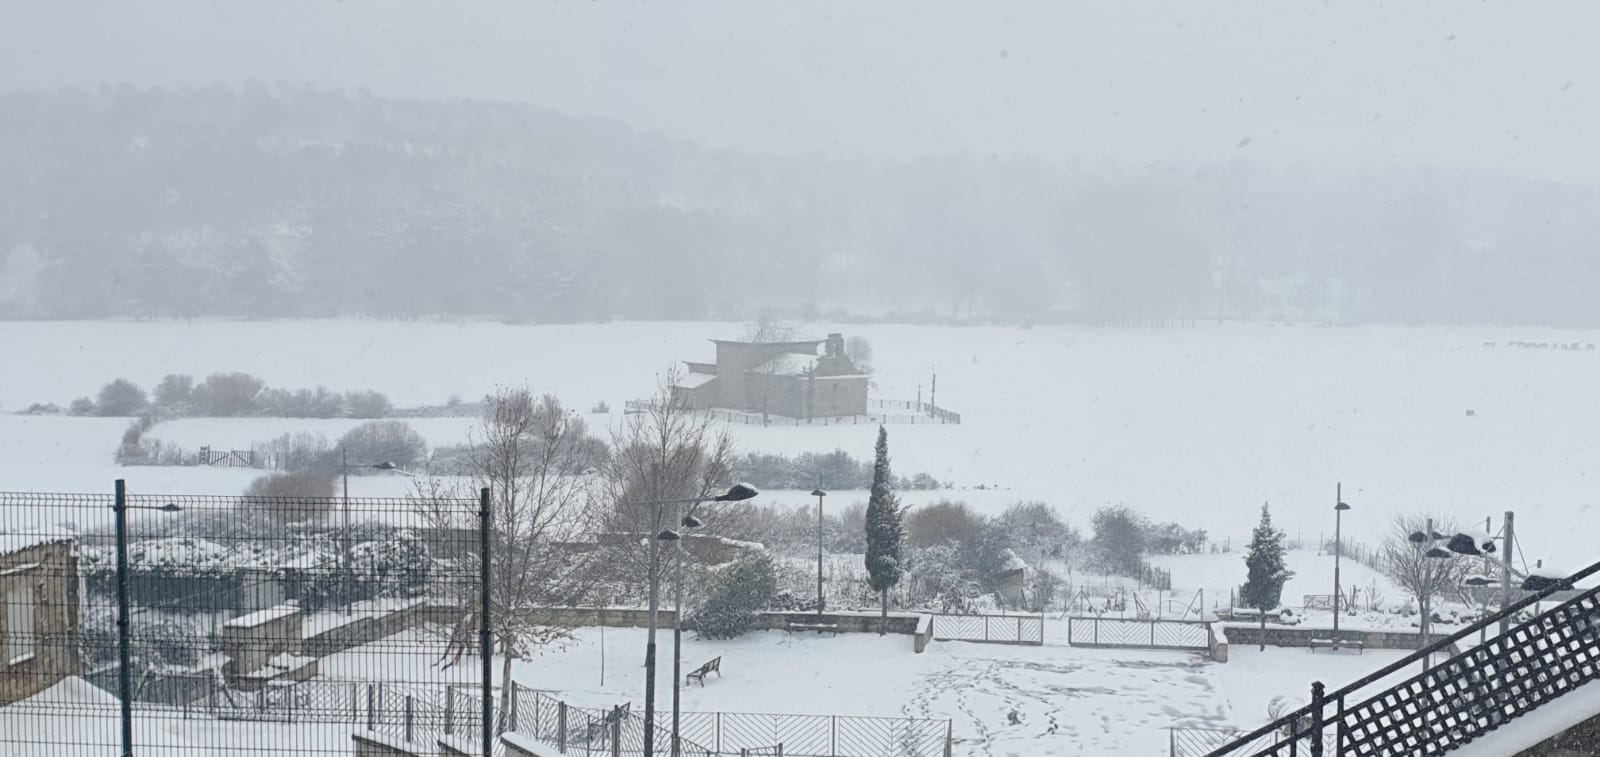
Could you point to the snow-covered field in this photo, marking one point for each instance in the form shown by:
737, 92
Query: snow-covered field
1070, 701
1198, 425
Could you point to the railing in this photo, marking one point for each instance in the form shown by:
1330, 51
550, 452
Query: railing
226, 458
620, 731
1454, 702
992, 629
1093, 631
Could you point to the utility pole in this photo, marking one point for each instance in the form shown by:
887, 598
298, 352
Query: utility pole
1505, 568
819, 494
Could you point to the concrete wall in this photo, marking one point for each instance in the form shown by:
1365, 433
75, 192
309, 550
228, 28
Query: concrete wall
51, 572
1580, 740
364, 631
251, 643
1296, 636
379, 745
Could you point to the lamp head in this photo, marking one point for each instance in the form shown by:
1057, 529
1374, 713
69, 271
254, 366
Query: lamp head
1342, 506
818, 493
668, 535
689, 521
737, 493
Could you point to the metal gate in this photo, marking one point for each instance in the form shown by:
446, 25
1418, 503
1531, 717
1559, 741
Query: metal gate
992, 629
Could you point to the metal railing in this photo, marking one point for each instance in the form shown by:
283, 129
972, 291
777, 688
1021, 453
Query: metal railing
992, 629
1095, 631
1451, 703
620, 731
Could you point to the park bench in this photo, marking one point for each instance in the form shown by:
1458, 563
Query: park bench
793, 626
699, 674
1335, 644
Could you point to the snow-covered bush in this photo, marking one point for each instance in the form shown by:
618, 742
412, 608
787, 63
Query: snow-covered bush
741, 591
376, 442
300, 497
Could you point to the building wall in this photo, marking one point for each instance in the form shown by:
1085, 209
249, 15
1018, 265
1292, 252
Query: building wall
55, 618
837, 397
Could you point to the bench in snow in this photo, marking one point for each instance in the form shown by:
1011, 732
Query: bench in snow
1335, 644
832, 628
699, 674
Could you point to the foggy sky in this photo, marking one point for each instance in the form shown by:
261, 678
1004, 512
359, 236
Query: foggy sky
1504, 86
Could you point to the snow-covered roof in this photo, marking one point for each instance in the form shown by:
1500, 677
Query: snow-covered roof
1010, 562
789, 365
693, 380
18, 541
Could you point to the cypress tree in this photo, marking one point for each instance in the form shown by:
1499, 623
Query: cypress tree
1263, 588
883, 529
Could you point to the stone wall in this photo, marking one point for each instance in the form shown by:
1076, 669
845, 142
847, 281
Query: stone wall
1296, 636
51, 573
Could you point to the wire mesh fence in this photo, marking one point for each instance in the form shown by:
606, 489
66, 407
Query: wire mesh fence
1094, 631
200, 625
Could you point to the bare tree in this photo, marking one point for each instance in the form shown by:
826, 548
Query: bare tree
767, 330
536, 459
1406, 563
669, 451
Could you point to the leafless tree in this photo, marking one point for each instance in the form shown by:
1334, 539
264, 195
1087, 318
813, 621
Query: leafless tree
669, 451
536, 458
1407, 564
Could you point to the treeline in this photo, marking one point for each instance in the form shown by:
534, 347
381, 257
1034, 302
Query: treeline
290, 201
221, 395
830, 471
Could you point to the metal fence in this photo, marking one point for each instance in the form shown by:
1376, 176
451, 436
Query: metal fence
619, 730
1449, 704
1093, 631
993, 629
133, 623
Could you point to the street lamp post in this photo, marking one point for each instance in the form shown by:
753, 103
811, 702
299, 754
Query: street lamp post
345, 558
819, 494
1339, 507
688, 522
737, 493
119, 509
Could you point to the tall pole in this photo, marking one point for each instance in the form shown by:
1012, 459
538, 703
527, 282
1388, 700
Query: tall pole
1505, 569
650, 645
1427, 589
485, 650
821, 603
677, 640
1338, 550
124, 640
344, 565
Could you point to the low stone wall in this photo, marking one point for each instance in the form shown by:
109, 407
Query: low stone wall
366, 630
898, 622
377, 745
1219, 642
1297, 636
254, 639
629, 617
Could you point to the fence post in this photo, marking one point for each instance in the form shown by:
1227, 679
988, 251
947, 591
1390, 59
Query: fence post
355, 702
511, 710
124, 638
484, 648
1019, 629
1152, 633
833, 734
616, 731
561, 726
1097, 629
949, 737
719, 732
369, 707
1316, 718
408, 718
1338, 728
449, 708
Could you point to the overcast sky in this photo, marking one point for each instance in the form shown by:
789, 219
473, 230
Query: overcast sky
1507, 86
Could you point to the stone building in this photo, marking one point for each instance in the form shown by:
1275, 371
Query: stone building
778, 378
38, 613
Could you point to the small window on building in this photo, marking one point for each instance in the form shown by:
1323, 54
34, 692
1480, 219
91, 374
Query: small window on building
20, 634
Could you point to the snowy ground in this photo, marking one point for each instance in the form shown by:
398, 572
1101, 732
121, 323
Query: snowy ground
1196, 425
1070, 701
75, 719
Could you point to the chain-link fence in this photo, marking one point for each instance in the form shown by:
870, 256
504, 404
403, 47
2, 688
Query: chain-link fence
185, 625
